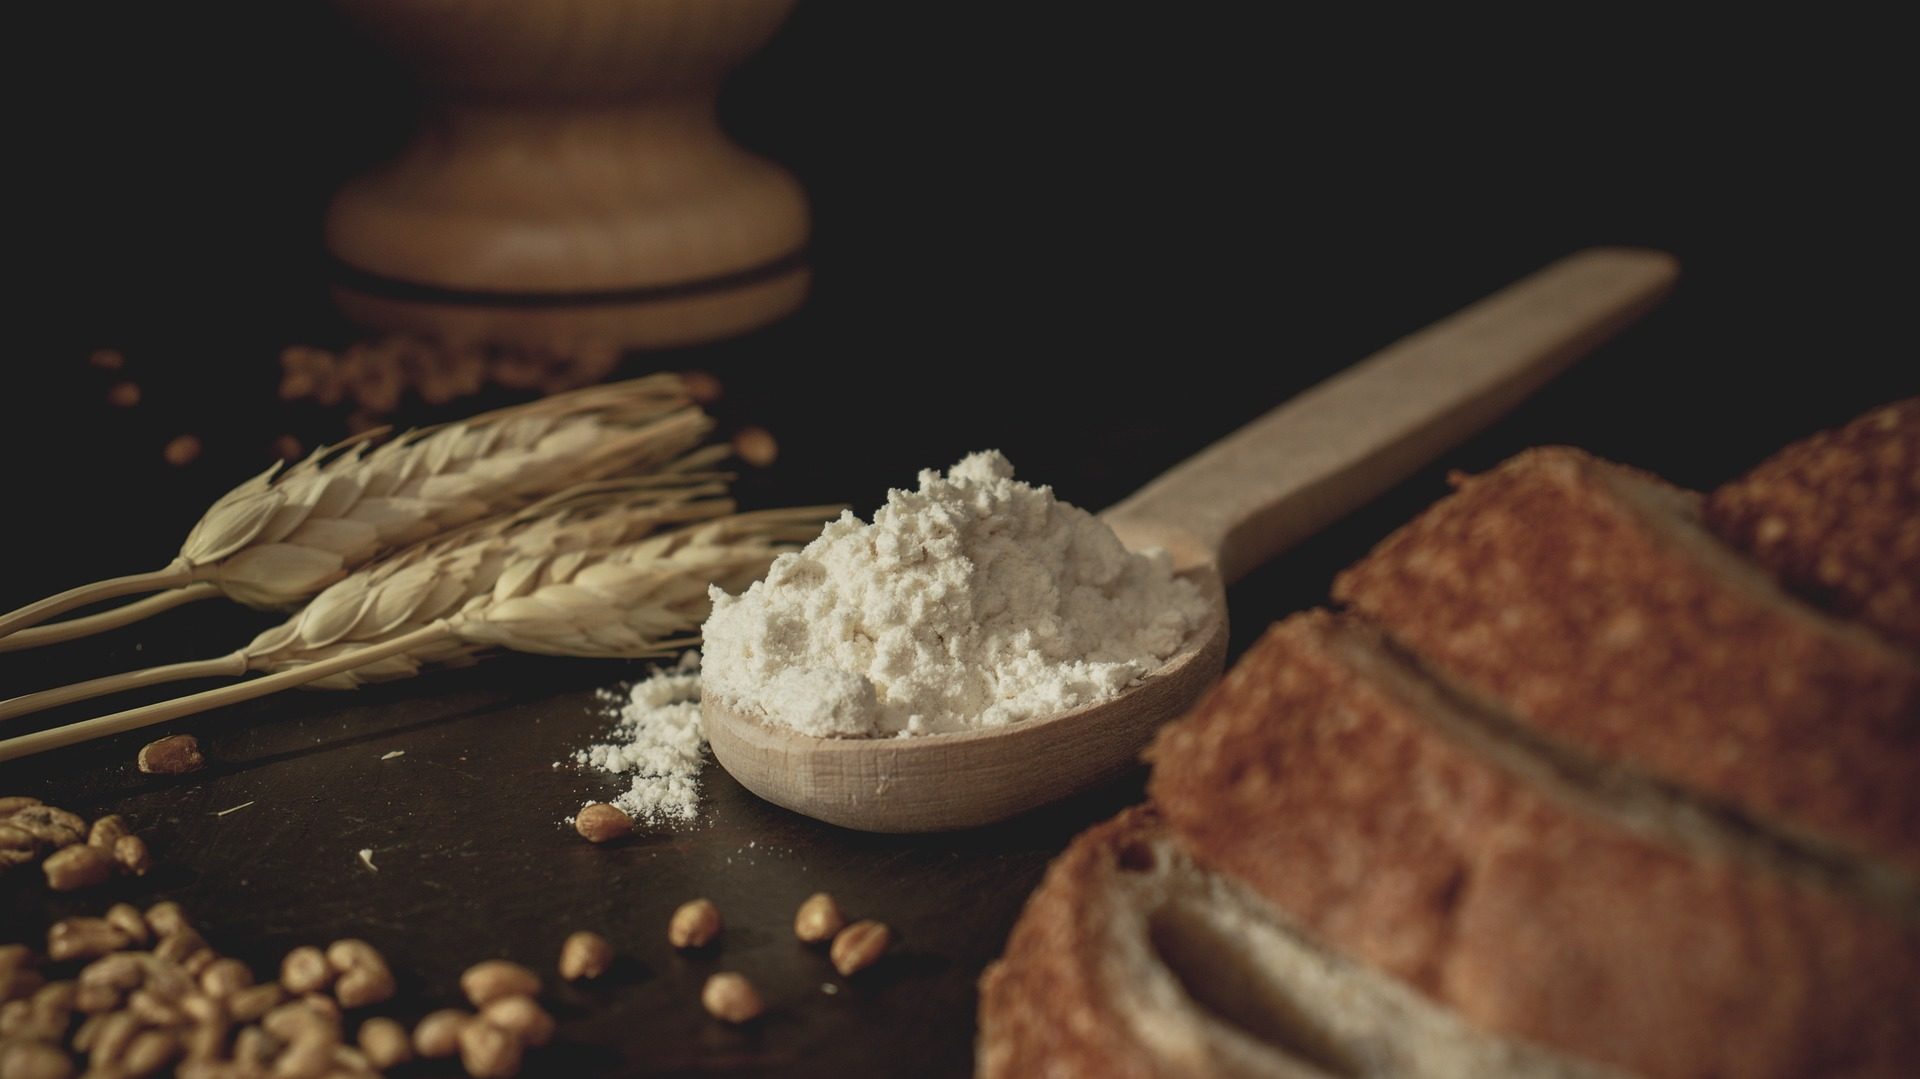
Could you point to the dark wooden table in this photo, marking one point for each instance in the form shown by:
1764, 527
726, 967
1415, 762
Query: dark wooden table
473, 860
1074, 241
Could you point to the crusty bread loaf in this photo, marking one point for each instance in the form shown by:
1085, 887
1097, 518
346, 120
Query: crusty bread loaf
1561, 903
1836, 518
1132, 962
1587, 599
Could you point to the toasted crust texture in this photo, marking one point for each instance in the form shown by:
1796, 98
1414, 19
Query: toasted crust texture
1836, 517
1536, 920
1044, 1009
1586, 599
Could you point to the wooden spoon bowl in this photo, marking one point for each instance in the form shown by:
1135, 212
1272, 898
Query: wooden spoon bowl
936, 782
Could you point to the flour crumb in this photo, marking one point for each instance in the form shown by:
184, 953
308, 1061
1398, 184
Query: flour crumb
658, 740
975, 601
366, 859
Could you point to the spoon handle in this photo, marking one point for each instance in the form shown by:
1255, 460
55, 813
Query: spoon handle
1303, 465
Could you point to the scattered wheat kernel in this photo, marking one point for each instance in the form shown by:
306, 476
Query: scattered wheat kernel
78, 866
484, 983
756, 446
182, 451
305, 970
860, 946
818, 919
438, 1035
522, 1017
703, 387
176, 754
385, 1042
694, 924
600, 822
731, 997
487, 1052
585, 955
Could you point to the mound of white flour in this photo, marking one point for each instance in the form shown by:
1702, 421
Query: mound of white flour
975, 601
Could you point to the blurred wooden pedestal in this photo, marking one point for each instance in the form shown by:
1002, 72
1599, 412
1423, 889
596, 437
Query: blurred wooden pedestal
569, 184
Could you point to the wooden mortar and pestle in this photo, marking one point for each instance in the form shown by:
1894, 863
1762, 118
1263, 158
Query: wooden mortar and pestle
570, 185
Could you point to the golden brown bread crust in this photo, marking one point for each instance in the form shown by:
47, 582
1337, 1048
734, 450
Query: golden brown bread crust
1583, 598
1334, 799
1836, 517
1043, 1008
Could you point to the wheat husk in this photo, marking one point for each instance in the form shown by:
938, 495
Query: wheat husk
283, 536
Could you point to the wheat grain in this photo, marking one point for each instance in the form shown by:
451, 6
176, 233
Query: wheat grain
289, 532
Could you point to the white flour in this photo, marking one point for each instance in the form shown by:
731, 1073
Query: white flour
975, 601
658, 740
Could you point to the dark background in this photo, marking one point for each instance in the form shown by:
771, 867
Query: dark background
1093, 237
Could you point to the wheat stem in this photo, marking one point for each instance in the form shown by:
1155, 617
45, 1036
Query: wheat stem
173, 575
146, 715
230, 665
125, 615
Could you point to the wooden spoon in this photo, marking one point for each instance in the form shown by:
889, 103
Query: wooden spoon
1221, 513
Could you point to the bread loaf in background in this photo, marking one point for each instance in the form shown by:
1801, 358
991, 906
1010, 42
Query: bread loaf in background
1546, 897
1589, 601
1836, 518
1573, 788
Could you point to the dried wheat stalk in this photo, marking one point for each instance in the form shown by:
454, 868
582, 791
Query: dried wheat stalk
284, 535
592, 579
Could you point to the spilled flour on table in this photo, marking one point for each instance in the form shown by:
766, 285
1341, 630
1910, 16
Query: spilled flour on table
659, 742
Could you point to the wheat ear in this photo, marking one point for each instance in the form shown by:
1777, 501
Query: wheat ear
411, 589
287, 533
525, 590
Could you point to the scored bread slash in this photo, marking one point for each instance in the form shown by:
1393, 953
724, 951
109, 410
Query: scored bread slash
1096, 981
1546, 896
1589, 601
